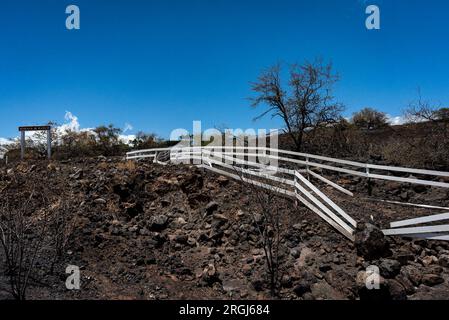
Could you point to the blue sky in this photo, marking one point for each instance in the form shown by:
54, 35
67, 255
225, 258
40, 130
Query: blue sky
160, 64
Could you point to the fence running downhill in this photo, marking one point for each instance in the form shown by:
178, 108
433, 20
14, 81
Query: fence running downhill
291, 176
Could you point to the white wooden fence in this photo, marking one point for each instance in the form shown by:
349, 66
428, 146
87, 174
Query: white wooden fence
248, 164
420, 228
365, 170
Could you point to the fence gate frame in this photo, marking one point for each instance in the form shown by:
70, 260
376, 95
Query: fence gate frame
23, 129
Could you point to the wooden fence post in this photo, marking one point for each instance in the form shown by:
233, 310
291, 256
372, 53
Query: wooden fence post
369, 182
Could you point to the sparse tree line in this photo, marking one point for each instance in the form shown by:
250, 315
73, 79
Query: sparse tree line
313, 122
100, 141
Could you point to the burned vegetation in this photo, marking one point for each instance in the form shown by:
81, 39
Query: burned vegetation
139, 230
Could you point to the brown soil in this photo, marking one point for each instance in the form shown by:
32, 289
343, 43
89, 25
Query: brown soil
145, 231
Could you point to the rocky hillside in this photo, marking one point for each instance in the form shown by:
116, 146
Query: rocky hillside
145, 231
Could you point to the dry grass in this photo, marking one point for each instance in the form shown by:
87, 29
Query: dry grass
127, 166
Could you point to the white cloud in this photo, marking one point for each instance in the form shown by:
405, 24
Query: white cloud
395, 121
71, 125
128, 127
127, 139
4, 142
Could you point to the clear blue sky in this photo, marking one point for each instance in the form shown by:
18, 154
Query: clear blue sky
159, 64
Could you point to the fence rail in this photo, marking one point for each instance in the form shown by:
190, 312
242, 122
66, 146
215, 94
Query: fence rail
351, 167
416, 227
295, 186
241, 163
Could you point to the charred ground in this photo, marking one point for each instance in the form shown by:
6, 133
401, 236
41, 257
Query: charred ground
146, 231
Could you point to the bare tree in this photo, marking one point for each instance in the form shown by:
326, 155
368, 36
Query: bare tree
423, 110
22, 238
306, 103
432, 149
270, 232
268, 225
60, 228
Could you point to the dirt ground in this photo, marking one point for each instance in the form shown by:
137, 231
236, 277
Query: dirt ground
146, 231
